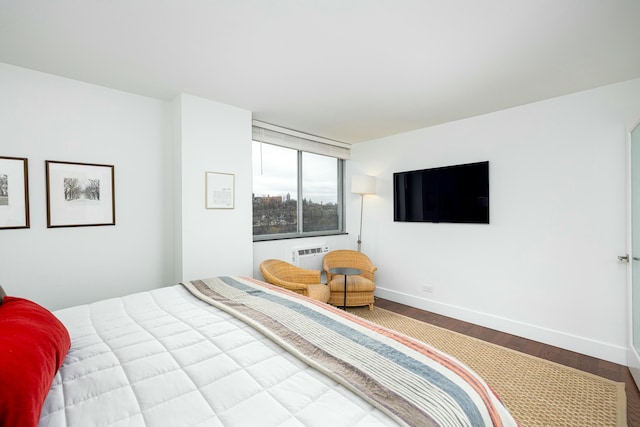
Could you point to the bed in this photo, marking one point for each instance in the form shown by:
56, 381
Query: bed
234, 351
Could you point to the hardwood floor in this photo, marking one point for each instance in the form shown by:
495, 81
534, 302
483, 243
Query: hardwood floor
589, 364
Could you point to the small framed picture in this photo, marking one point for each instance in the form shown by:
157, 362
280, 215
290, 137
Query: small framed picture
219, 188
14, 193
79, 194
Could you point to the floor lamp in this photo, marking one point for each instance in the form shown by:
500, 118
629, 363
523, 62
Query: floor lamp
362, 184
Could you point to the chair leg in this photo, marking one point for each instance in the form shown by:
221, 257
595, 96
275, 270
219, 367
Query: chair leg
371, 307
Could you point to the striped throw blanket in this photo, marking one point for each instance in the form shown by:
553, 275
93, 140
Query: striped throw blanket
409, 380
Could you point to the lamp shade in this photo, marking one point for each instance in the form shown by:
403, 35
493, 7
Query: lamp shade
363, 184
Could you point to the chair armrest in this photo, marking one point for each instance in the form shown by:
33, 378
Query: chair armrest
289, 276
309, 277
296, 287
369, 271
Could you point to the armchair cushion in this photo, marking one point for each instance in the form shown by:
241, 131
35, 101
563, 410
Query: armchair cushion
354, 284
318, 292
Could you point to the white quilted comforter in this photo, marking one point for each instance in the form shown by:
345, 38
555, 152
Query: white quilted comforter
165, 358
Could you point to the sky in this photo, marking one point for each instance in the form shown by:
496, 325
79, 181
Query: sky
275, 174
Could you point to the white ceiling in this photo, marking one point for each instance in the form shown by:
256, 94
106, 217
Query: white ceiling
349, 70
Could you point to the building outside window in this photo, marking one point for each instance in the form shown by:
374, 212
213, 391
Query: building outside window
296, 193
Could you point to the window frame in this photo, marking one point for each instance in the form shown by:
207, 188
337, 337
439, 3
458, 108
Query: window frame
299, 233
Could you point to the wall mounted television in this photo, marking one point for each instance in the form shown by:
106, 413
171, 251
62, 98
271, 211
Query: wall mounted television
458, 194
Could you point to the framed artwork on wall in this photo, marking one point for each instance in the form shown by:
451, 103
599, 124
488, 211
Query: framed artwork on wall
79, 194
219, 189
14, 193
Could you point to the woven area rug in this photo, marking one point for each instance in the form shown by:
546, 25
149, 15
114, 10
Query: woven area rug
536, 391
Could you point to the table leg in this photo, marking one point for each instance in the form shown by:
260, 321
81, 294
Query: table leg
345, 293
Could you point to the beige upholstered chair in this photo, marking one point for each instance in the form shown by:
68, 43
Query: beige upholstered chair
360, 288
296, 279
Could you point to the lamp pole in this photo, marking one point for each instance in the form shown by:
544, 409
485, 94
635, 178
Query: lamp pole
361, 210
362, 185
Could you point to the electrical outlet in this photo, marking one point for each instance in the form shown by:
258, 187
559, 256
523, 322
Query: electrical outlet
427, 288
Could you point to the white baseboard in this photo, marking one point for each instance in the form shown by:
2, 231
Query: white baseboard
601, 350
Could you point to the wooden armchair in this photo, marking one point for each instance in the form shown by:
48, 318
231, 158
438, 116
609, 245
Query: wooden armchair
296, 279
360, 288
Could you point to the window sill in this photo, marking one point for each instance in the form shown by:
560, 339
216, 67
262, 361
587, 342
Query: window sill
268, 238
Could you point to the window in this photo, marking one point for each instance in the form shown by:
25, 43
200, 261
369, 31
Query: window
285, 175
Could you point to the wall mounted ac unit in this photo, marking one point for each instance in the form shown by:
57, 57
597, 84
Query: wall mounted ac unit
309, 257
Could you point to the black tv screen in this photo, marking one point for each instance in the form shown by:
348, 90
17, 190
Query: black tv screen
458, 194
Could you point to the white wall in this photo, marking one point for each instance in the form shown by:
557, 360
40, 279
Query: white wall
213, 137
43, 117
546, 266
160, 151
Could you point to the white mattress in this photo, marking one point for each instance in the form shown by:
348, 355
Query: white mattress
165, 358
